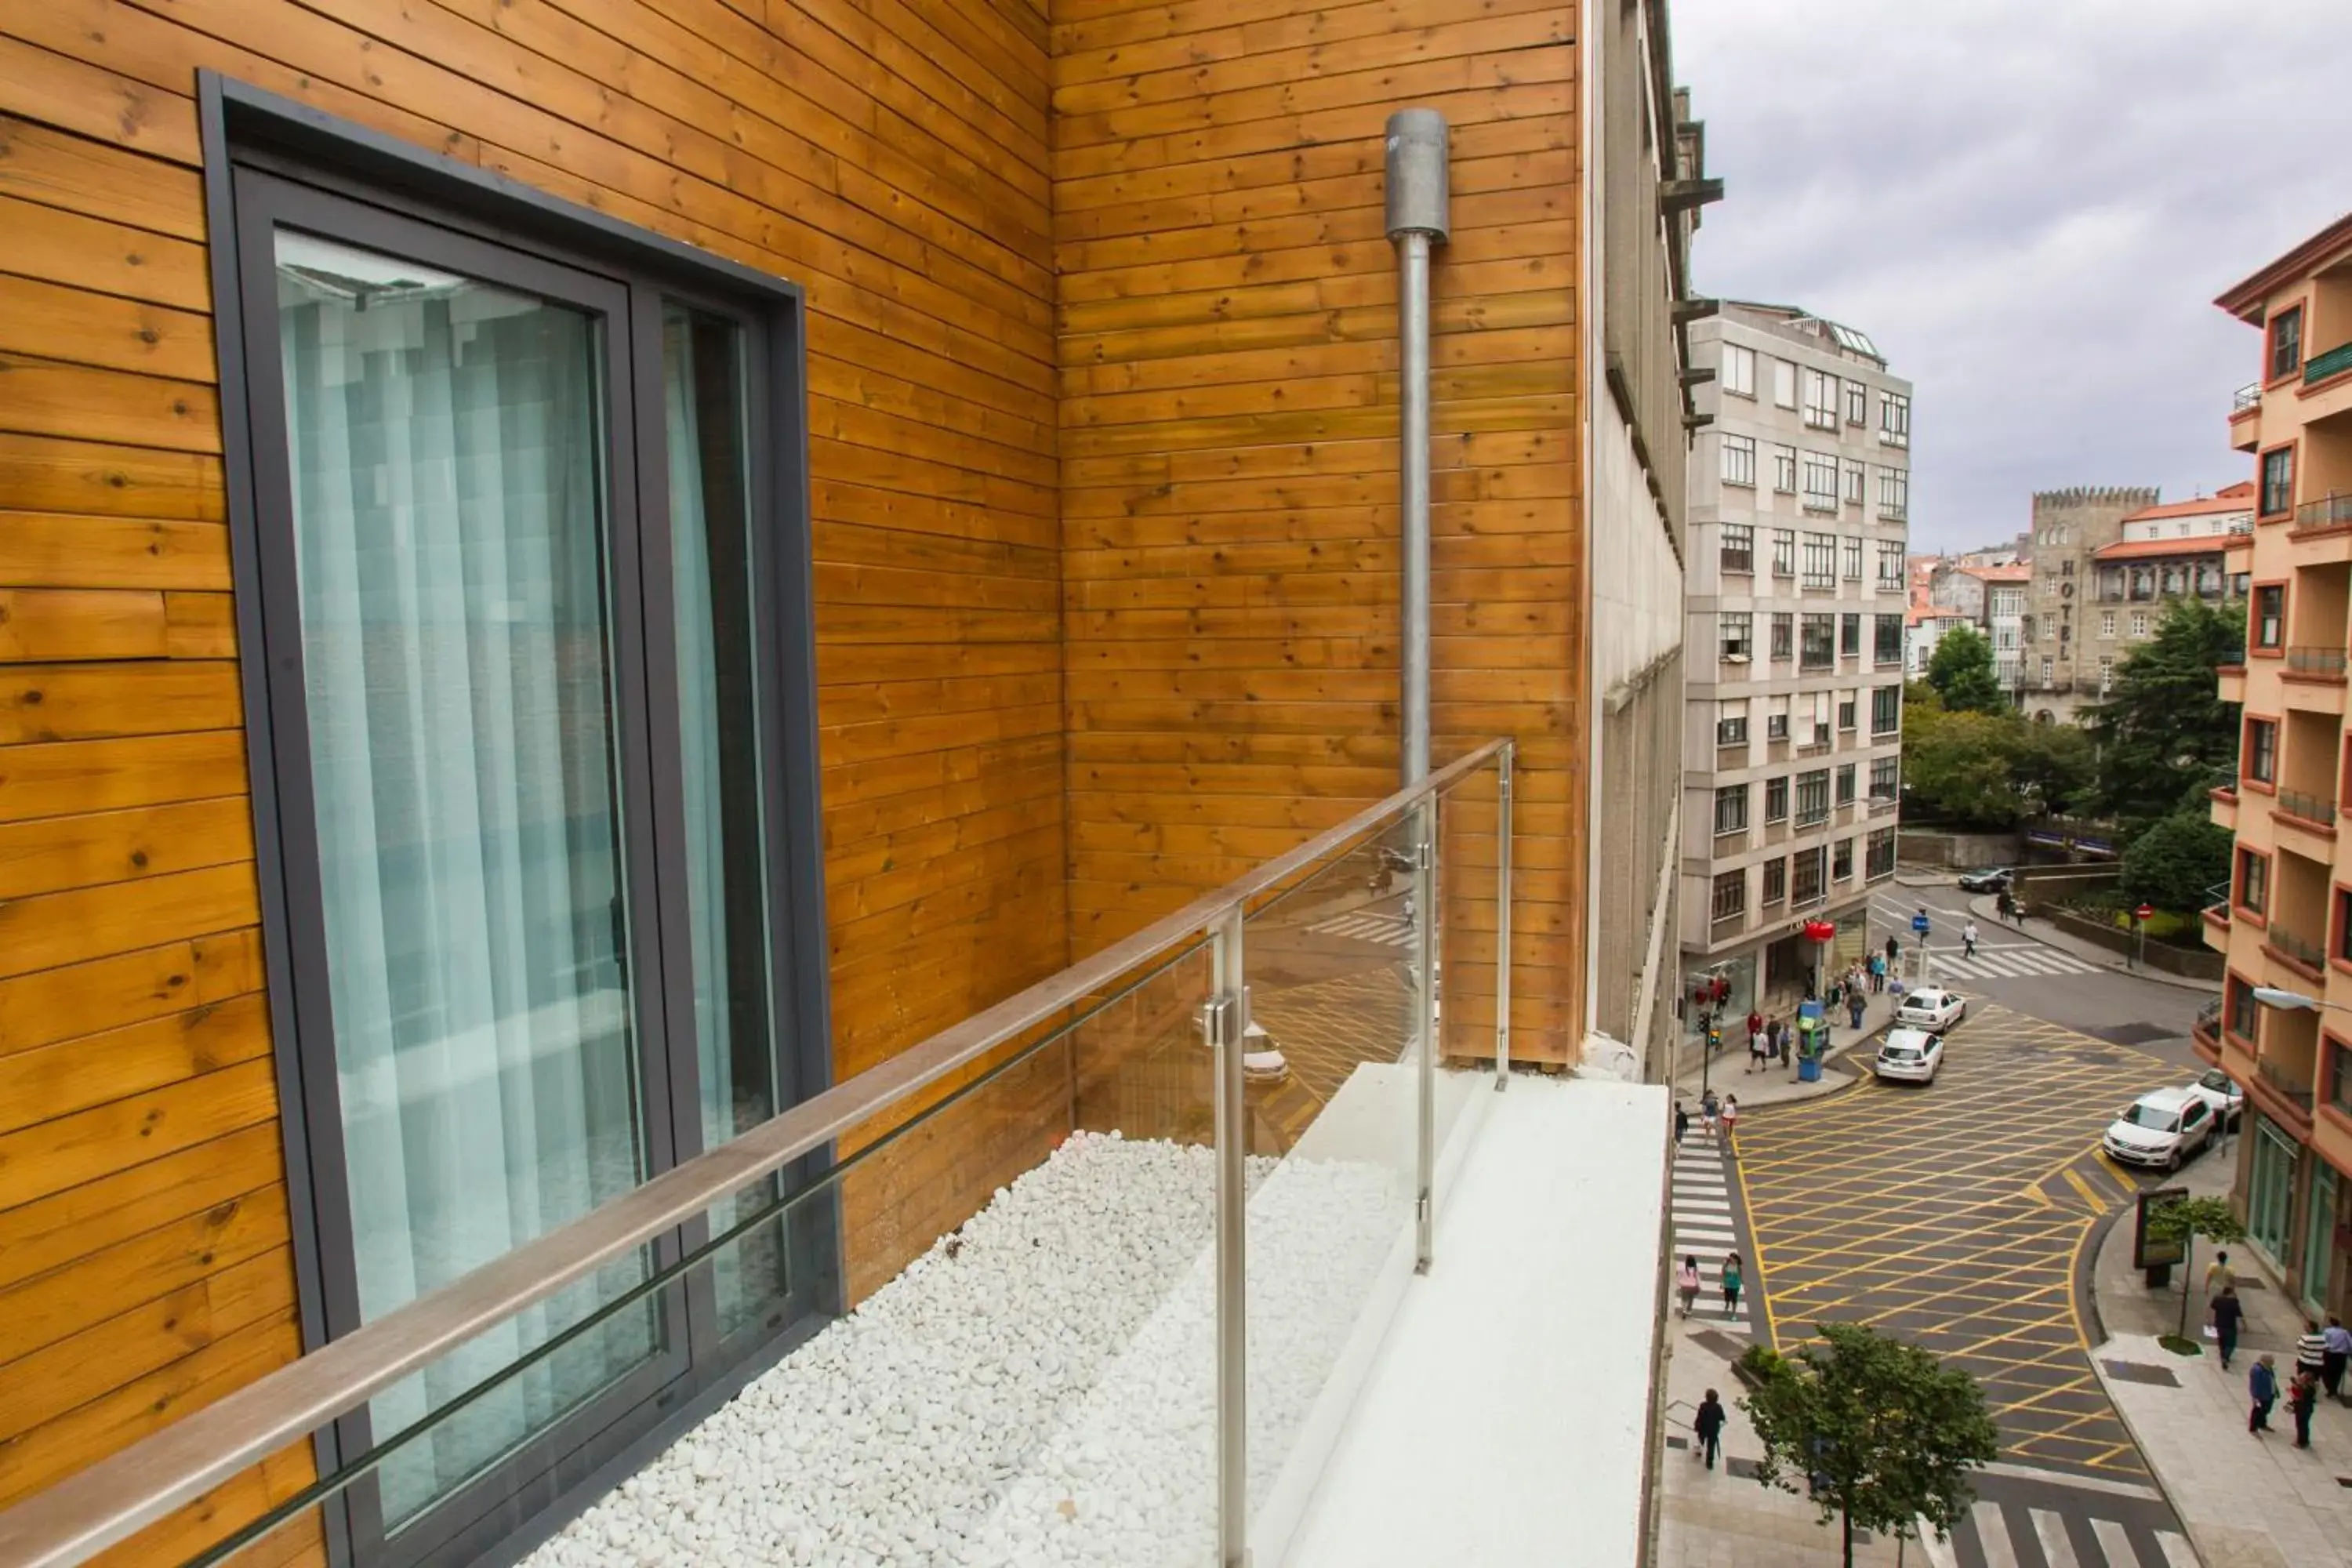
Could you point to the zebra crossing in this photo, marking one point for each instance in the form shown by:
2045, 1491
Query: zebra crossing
1387, 930
2022, 961
1705, 1227
2025, 1518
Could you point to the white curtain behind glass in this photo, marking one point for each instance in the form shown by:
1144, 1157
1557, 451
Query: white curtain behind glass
444, 447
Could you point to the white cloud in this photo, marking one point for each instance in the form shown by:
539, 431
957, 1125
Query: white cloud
2030, 205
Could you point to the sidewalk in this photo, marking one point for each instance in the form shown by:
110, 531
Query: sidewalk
2248, 1501
1728, 1073
1986, 907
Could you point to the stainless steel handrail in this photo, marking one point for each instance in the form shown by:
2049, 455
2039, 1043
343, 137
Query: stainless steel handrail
117, 1496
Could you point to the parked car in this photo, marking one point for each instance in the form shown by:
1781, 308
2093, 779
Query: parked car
1930, 1008
1991, 880
2163, 1128
1910, 1055
2226, 1100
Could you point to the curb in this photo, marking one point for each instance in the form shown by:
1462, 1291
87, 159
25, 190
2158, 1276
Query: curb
2188, 1527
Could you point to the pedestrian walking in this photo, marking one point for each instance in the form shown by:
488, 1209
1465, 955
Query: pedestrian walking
2340, 1352
1893, 956
1756, 1058
2219, 1276
1754, 1022
2004, 905
1687, 1282
2302, 1397
1854, 1007
1877, 972
2228, 1315
1708, 1107
1968, 940
2311, 1350
1731, 1283
1732, 1121
2262, 1387
1682, 1121
1706, 1428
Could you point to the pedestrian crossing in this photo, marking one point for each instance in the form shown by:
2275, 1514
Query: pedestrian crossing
2025, 1519
1387, 930
1706, 1227
2023, 960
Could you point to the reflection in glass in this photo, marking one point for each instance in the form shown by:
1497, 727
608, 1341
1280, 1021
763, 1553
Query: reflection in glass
445, 443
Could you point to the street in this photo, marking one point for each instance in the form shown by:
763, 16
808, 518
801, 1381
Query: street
1958, 1215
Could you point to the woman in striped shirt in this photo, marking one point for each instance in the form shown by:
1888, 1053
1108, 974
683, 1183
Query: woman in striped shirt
2311, 1350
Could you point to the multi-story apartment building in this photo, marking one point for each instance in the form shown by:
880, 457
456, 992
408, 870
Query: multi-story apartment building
1925, 622
1797, 570
2287, 920
2003, 623
2070, 527
2177, 550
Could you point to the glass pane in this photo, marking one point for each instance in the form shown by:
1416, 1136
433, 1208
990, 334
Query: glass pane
718, 762
445, 441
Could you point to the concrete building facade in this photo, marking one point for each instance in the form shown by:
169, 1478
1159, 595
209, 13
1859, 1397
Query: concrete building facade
1797, 570
2286, 920
2178, 550
2070, 527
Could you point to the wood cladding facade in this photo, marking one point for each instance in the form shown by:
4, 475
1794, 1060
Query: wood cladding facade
1102, 472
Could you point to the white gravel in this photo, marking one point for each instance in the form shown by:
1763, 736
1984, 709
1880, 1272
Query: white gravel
1042, 1393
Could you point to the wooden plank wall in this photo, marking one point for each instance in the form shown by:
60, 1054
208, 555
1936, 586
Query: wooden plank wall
1228, 347
890, 155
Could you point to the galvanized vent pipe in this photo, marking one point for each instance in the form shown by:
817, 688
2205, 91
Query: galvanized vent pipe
1416, 219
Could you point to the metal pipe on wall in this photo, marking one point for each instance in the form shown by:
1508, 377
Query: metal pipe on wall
1417, 219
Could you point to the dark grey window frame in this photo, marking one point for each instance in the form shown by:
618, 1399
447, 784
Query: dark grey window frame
264, 156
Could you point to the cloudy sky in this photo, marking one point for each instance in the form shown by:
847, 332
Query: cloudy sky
2030, 205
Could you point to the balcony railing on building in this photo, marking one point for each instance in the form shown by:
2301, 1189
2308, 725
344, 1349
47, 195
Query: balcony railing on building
2324, 368
2331, 510
1289, 1202
2247, 396
2309, 807
2293, 944
2314, 660
2296, 1090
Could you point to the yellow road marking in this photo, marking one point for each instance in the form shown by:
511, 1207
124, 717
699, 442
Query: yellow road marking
1760, 1270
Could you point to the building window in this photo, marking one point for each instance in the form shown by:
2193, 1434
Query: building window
1893, 420
1739, 371
1733, 633
1857, 475
1820, 561
1784, 470
1883, 774
1893, 494
1890, 563
1776, 881
2270, 615
2244, 1010
1857, 402
1850, 557
537, 802
1817, 649
1783, 635
1879, 854
2339, 1074
1849, 705
2278, 480
1885, 710
2049, 669
1737, 552
2138, 623
1784, 553
1776, 722
1784, 384
1821, 400
1731, 809
2106, 673
1776, 799
1805, 883
1845, 779
1820, 482
1731, 722
1740, 460
2286, 343
1812, 797
2253, 883
2261, 751
2107, 622
1841, 861
1849, 636
1885, 640
1731, 895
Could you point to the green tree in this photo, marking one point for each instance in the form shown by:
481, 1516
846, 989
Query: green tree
2164, 734
2184, 1220
2054, 763
2173, 863
1881, 1433
1961, 671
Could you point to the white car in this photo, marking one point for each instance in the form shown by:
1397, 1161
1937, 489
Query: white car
1911, 1054
1928, 1009
2162, 1128
2226, 1100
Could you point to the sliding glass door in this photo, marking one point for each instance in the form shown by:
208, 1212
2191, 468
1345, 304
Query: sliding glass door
526, 682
